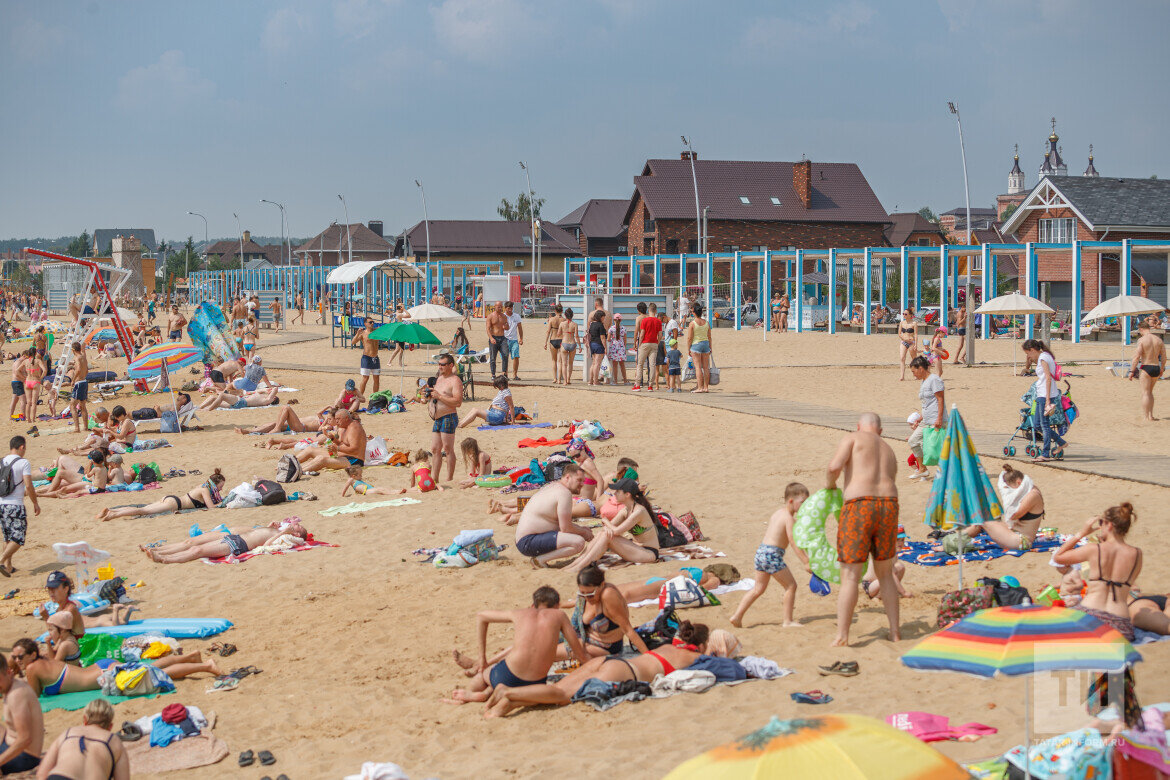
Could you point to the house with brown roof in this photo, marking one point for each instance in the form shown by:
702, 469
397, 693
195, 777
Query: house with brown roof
254, 255
913, 229
752, 206
597, 226
338, 244
473, 240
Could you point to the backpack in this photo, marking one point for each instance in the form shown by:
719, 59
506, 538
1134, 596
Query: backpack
270, 492
146, 475
8, 481
554, 467
1005, 595
661, 630
668, 535
288, 469
682, 591
958, 604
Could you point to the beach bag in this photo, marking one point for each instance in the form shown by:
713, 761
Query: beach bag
288, 469
932, 441
713, 378
554, 467
112, 590
1005, 595
146, 475
270, 492
689, 526
668, 535
660, 630
682, 591
958, 604
143, 414
378, 402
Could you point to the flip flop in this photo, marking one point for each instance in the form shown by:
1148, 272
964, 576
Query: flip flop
811, 697
12, 593
224, 683
247, 758
842, 668
266, 758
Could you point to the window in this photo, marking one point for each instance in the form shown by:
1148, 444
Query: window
647, 246
759, 249
622, 249
1058, 231
527, 240
648, 226
730, 248
519, 263
924, 242
672, 246
744, 200
775, 201
692, 246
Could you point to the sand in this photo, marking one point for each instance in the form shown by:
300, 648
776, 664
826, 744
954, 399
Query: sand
355, 641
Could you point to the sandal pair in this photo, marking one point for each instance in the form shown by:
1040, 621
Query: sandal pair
842, 668
247, 758
222, 648
811, 697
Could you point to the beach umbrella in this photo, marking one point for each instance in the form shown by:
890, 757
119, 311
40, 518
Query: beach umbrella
407, 333
434, 312
1123, 306
961, 495
842, 747
149, 362
1015, 303
1023, 640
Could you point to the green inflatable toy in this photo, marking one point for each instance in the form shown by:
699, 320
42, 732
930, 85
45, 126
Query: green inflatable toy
809, 530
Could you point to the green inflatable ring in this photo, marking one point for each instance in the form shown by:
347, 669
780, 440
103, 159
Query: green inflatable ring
493, 481
809, 530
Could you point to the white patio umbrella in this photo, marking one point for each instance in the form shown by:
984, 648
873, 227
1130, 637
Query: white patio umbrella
1123, 306
434, 312
1015, 303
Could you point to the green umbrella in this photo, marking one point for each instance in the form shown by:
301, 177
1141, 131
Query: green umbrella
407, 333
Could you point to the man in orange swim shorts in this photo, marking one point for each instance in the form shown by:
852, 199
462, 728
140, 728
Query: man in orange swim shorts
868, 525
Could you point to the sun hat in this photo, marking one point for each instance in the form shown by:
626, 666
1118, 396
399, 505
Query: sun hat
350, 384
61, 619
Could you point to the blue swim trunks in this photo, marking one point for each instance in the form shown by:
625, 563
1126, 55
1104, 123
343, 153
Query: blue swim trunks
446, 424
770, 559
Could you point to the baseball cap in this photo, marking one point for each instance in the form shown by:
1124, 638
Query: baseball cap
625, 485
350, 384
672, 342
257, 359
56, 579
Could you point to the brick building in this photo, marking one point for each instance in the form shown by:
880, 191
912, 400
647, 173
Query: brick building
254, 255
597, 226
752, 206
913, 229
1062, 209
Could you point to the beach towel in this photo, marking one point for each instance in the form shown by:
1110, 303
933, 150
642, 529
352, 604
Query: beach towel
201, 749
355, 506
513, 427
308, 545
936, 728
744, 584
1143, 637
685, 552
544, 442
1011, 497
78, 699
981, 548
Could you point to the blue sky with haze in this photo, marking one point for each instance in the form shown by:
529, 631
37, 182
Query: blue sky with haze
132, 113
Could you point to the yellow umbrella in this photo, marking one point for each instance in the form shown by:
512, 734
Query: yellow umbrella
842, 747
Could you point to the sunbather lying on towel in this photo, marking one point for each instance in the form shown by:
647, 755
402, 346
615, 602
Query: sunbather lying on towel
205, 496
238, 400
287, 420
49, 677
218, 544
1150, 613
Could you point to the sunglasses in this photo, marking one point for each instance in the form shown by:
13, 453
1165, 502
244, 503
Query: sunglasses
16, 657
588, 595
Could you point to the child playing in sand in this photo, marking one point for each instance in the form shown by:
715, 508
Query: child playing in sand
476, 460
350, 398
365, 488
421, 477
770, 557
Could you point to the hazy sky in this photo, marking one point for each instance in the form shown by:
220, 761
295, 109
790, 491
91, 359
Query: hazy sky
129, 113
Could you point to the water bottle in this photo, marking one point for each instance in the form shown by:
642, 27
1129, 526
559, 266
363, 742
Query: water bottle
536, 411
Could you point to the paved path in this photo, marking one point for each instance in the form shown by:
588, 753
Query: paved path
1101, 461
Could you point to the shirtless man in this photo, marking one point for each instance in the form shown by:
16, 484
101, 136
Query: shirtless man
217, 544
371, 365
868, 525
23, 732
350, 449
239, 312
497, 324
546, 530
223, 373
175, 324
1149, 363
300, 306
961, 330
446, 398
80, 392
75, 752
237, 399
19, 374
276, 313
537, 633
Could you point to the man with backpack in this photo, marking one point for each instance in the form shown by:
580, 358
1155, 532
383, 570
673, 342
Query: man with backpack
15, 483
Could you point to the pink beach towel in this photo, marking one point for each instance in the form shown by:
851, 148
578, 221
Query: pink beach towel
245, 556
936, 728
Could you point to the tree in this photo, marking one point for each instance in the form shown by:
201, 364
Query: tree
179, 263
80, 246
521, 210
1010, 209
928, 214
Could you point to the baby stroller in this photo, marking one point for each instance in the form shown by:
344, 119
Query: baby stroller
1029, 428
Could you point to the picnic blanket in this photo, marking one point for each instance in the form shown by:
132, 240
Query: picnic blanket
982, 549
78, 699
512, 427
684, 552
355, 506
308, 545
544, 442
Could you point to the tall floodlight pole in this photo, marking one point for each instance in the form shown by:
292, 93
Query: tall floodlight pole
426, 221
533, 228
970, 337
695, 181
240, 230
348, 237
206, 241
282, 233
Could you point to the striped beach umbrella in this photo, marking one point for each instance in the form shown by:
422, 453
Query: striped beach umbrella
962, 494
149, 361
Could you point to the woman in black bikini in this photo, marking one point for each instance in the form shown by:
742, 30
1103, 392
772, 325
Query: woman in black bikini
1018, 531
88, 750
636, 517
907, 347
601, 617
205, 496
1105, 598
1149, 613
552, 341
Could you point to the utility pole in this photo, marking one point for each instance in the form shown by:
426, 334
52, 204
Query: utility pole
970, 337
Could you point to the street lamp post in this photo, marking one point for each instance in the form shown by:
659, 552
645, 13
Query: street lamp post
348, 237
206, 241
967, 302
426, 226
534, 229
695, 181
282, 231
240, 230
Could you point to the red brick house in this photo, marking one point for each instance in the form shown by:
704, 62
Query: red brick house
752, 206
1062, 209
913, 229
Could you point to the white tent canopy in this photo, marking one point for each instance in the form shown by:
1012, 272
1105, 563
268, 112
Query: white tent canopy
351, 273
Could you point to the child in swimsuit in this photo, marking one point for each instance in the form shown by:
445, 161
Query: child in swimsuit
769, 558
365, 488
476, 460
421, 478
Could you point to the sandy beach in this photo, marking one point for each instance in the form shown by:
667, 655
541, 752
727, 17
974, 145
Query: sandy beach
355, 641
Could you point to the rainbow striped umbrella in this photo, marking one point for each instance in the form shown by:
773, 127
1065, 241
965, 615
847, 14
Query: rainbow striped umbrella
150, 360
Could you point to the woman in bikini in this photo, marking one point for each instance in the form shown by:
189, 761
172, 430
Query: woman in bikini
636, 517
907, 346
205, 496
580, 454
1114, 567
784, 305
251, 335
1150, 613
1018, 531
569, 344
601, 617
76, 752
552, 341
